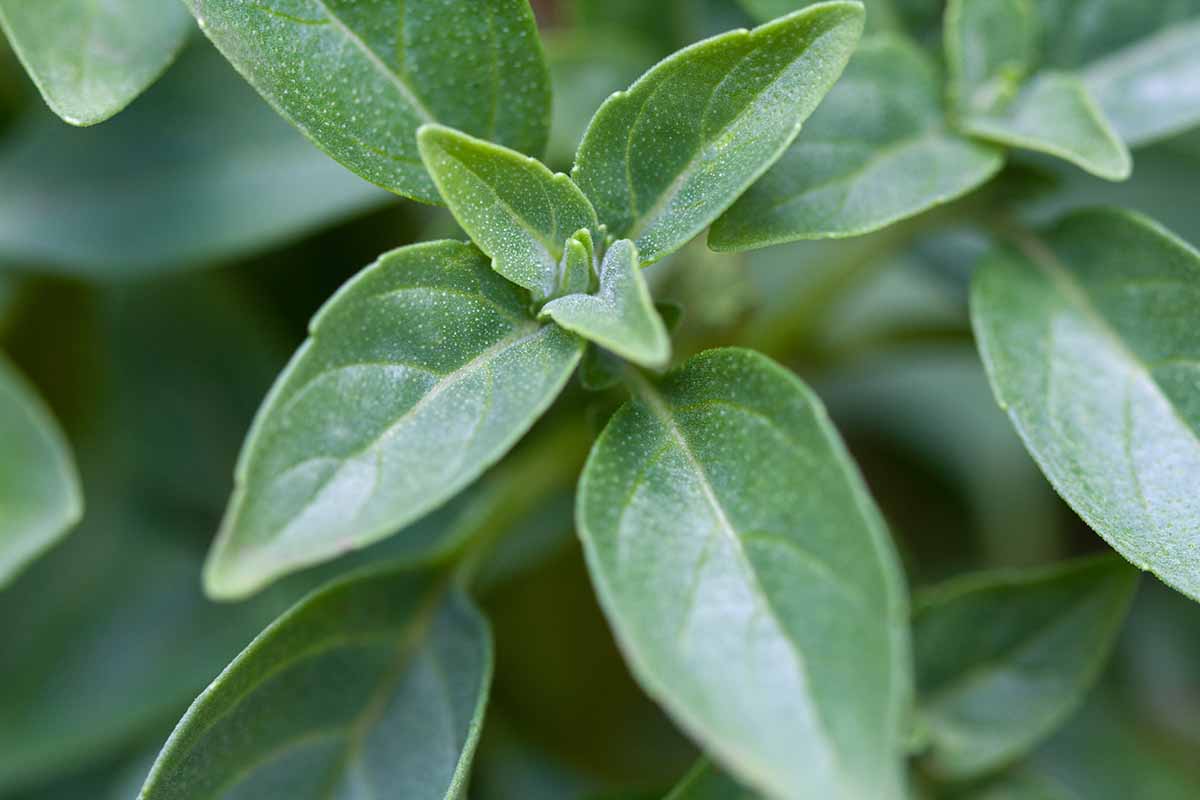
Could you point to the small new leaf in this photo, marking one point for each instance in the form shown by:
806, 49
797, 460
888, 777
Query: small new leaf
620, 317
517, 211
577, 266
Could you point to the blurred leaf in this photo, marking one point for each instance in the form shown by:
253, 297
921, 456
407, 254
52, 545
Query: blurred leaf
881, 14
40, 498
1089, 338
199, 170
990, 49
419, 373
374, 684
658, 172
877, 150
706, 782
359, 79
1004, 658
718, 510
89, 59
508, 767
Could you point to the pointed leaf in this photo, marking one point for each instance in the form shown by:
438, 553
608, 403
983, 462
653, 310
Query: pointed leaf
1090, 341
706, 782
621, 316
88, 59
360, 78
374, 686
40, 498
749, 578
1004, 658
420, 372
665, 158
876, 151
881, 14
516, 210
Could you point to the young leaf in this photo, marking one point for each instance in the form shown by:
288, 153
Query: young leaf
750, 579
1089, 339
420, 373
90, 60
519, 213
374, 686
665, 158
706, 782
40, 498
576, 267
1004, 658
360, 78
621, 316
875, 152
990, 49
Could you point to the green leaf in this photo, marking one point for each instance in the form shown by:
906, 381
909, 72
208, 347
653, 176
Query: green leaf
88, 59
991, 47
412, 661
706, 782
621, 317
359, 79
419, 373
881, 14
1004, 658
876, 151
665, 158
1089, 339
40, 499
518, 212
577, 266
750, 579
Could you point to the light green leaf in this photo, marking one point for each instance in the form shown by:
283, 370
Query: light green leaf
881, 14
577, 266
706, 782
620, 317
40, 499
360, 78
1090, 340
420, 372
991, 47
750, 579
665, 158
413, 662
89, 59
518, 212
1004, 658
875, 152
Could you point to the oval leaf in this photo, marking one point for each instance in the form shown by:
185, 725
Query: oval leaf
750, 579
665, 158
40, 498
360, 78
412, 661
1090, 340
420, 372
90, 60
1004, 658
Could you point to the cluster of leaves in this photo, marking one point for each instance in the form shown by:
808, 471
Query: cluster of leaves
409, 460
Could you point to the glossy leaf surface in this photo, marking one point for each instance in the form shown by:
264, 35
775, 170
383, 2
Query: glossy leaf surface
719, 512
419, 373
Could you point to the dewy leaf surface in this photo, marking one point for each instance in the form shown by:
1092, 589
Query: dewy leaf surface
877, 150
516, 210
665, 158
360, 78
1090, 340
420, 372
621, 316
373, 687
40, 497
90, 59
1004, 658
750, 579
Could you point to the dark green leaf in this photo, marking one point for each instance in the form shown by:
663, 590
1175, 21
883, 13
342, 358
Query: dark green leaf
750, 579
706, 782
665, 158
360, 78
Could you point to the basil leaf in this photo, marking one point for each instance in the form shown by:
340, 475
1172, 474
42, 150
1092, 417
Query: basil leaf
518, 212
90, 60
412, 661
1004, 658
621, 317
853, 172
420, 372
706, 782
719, 511
40, 499
665, 158
1089, 341
359, 79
